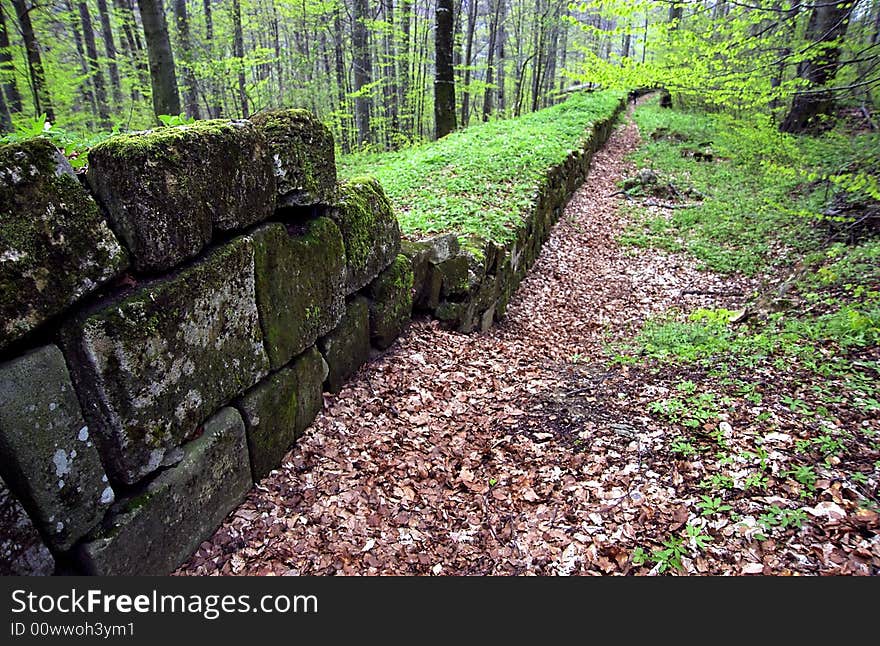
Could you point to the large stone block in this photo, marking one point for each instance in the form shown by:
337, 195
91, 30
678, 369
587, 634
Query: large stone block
165, 190
278, 409
369, 229
427, 280
303, 155
300, 272
391, 302
151, 367
54, 245
347, 347
48, 453
153, 532
22, 551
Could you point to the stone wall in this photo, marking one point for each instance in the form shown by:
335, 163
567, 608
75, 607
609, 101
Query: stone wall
171, 319
468, 282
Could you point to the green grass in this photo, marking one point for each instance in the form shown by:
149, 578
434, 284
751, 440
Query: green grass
483, 180
763, 192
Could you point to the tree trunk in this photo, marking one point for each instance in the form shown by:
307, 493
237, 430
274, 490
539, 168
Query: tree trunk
110, 49
403, 85
42, 100
493, 34
538, 70
341, 80
94, 66
444, 79
7, 71
468, 52
363, 69
131, 43
5, 118
390, 69
214, 105
238, 52
828, 23
500, 42
190, 96
86, 93
163, 78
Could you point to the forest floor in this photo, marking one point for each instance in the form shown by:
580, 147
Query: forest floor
526, 450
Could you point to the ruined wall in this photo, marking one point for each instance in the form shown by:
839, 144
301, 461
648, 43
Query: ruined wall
468, 282
169, 323
171, 319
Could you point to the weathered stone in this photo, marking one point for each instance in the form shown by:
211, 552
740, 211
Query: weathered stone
22, 551
278, 409
369, 229
347, 347
153, 532
391, 302
455, 276
48, 454
303, 155
151, 367
54, 245
166, 190
300, 274
450, 313
442, 247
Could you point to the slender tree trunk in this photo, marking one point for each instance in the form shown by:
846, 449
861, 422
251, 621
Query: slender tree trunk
828, 23
214, 103
552, 51
7, 71
645, 40
131, 43
86, 91
190, 96
163, 77
627, 41
276, 43
444, 80
238, 52
468, 51
341, 80
490, 62
94, 66
39, 90
110, 49
5, 118
390, 69
363, 69
500, 43
538, 70
563, 47
403, 85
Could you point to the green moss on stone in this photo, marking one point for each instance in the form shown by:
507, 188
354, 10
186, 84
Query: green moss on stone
391, 302
347, 347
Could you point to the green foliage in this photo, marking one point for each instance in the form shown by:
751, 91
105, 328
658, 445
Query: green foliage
712, 506
484, 179
169, 120
74, 145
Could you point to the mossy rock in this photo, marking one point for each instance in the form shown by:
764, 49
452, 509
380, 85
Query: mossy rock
54, 245
149, 368
303, 155
347, 347
427, 281
48, 452
369, 229
22, 551
161, 525
455, 272
391, 302
300, 273
166, 190
278, 409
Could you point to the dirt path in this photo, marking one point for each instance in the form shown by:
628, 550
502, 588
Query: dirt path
452, 454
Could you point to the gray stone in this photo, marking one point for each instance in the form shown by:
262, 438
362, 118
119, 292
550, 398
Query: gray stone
166, 190
369, 229
155, 531
278, 409
22, 551
391, 302
427, 281
303, 156
442, 247
54, 245
347, 347
300, 272
49, 458
151, 367
455, 276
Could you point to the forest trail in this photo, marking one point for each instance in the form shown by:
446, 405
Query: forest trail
493, 453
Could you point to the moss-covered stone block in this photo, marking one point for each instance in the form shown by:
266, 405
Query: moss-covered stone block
149, 368
300, 272
48, 453
347, 347
303, 155
278, 409
454, 272
54, 245
442, 247
160, 526
427, 281
391, 302
22, 551
166, 190
369, 229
